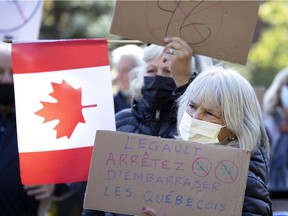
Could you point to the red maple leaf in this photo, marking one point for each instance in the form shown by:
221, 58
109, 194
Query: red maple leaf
68, 109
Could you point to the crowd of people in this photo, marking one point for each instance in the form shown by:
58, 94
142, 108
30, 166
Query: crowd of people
169, 92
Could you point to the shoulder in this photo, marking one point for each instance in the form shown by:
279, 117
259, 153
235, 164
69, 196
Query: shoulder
126, 121
257, 197
124, 114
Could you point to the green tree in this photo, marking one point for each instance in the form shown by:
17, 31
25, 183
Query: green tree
76, 19
269, 54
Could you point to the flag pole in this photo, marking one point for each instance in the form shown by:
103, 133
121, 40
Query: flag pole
125, 41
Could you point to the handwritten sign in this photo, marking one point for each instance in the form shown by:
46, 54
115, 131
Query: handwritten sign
219, 29
20, 20
130, 171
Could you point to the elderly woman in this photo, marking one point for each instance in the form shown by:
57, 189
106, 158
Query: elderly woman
225, 103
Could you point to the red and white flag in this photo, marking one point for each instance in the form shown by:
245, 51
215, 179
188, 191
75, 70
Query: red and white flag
63, 94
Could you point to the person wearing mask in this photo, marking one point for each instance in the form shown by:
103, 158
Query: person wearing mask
124, 59
221, 100
155, 87
275, 114
15, 198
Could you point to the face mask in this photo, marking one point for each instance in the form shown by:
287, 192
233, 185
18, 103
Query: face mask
284, 96
158, 91
195, 130
7, 94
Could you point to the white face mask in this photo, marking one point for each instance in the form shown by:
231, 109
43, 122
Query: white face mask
284, 96
199, 131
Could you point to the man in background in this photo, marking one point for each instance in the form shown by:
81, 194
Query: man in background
124, 59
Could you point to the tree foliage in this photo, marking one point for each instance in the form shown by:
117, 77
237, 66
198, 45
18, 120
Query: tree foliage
76, 19
269, 54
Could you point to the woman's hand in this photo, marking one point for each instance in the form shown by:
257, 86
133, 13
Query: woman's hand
40, 191
179, 54
152, 212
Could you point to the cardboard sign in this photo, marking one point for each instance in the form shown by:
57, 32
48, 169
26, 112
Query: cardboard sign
130, 171
219, 29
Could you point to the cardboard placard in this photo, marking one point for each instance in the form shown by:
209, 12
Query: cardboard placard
219, 29
130, 171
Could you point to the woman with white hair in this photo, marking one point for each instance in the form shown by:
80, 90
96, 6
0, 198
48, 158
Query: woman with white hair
275, 114
156, 86
221, 107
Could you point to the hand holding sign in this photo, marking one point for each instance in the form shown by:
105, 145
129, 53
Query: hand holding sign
211, 28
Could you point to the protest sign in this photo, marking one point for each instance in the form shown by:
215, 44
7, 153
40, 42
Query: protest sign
20, 20
63, 94
130, 171
219, 29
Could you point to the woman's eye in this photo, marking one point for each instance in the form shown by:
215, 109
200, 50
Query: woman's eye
211, 114
192, 106
150, 71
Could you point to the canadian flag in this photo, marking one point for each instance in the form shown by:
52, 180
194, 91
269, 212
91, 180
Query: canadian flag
63, 94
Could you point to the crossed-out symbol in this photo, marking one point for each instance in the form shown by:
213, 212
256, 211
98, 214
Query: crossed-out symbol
226, 171
201, 166
185, 18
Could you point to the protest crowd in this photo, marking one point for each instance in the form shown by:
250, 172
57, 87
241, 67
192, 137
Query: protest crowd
160, 91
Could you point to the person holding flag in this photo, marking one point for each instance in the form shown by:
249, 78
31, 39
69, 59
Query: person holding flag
15, 198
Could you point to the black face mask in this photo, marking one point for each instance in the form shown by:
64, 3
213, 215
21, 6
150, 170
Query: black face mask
157, 92
7, 94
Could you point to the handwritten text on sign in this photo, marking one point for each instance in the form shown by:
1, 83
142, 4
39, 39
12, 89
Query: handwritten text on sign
163, 173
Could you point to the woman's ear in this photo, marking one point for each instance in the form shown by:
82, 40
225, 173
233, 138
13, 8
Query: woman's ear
232, 136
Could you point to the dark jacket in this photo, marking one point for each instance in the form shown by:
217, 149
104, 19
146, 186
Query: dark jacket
141, 119
14, 200
257, 199
121, 102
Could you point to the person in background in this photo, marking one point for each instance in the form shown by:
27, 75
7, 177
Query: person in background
223, 101
124, 59
275, 114
15, 198
155, 87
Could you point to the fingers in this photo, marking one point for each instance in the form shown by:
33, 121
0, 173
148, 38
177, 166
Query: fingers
40, 191
177, 43
178, 54
152, 212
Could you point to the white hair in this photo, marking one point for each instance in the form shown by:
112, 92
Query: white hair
134, 52
272, 95
151, 52
229, 92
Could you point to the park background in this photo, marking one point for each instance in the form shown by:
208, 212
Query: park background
92, 18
